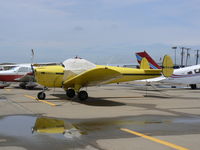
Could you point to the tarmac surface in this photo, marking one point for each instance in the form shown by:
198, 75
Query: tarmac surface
115, 117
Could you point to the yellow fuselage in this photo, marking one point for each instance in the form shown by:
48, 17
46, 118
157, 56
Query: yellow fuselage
50, 76
53, 76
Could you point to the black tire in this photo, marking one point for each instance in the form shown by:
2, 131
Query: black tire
82, 95
41, 95
70, 93
23, 85
193, 86
30, 88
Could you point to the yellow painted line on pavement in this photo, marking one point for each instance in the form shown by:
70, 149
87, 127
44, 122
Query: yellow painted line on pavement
154, 139
52, 104
8, 90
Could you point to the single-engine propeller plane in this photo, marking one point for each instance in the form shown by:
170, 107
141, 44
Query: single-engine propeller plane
78, 73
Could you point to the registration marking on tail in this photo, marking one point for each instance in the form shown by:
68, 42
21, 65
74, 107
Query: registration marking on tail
174, 146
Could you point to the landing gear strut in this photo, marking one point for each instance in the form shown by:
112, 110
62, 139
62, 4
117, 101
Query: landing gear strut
82, 95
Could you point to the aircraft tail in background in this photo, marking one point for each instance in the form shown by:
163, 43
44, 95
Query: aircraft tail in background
152, 63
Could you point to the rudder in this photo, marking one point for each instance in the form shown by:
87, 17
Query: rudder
144, 64
167, 66
152, 63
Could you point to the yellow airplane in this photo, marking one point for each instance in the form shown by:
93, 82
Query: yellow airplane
78, 73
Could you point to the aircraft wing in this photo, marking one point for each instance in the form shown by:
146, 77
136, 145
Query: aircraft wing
95, 76
26, 78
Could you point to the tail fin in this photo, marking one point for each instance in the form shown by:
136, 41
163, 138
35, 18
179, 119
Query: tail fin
144, 64
167, 66
152, 63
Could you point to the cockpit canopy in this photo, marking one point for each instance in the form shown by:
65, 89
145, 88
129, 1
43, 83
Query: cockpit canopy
78, 65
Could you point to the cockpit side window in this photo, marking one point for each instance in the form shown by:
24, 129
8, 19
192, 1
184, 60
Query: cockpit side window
190, 72
23, 69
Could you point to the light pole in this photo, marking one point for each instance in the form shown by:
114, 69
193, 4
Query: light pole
182, 53
197, 56
175, 47
187, 55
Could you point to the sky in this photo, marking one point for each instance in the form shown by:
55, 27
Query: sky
102, 31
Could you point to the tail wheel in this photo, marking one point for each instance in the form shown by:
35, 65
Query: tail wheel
41, 95
70, 93
82, 95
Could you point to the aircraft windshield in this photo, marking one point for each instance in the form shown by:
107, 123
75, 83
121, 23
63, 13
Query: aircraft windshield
9, 68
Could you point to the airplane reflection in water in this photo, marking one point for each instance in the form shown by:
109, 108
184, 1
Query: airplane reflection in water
53, 126
48, 125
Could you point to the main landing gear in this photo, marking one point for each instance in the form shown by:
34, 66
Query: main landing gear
82, 95
23, 85
28, 85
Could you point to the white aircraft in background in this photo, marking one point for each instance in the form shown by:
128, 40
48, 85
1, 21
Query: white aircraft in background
17, 73
187, 75
22, 73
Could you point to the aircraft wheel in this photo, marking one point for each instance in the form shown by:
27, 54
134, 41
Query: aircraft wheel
30, 88
23, 85
193, 86
41, 95
82, 95
70, 93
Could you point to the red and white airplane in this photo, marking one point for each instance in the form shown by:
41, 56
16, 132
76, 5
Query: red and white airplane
17, 73
187, 75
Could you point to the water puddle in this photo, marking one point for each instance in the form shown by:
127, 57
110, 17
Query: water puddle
32, 132
28, 126
187, 120
3, 98
16, 125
